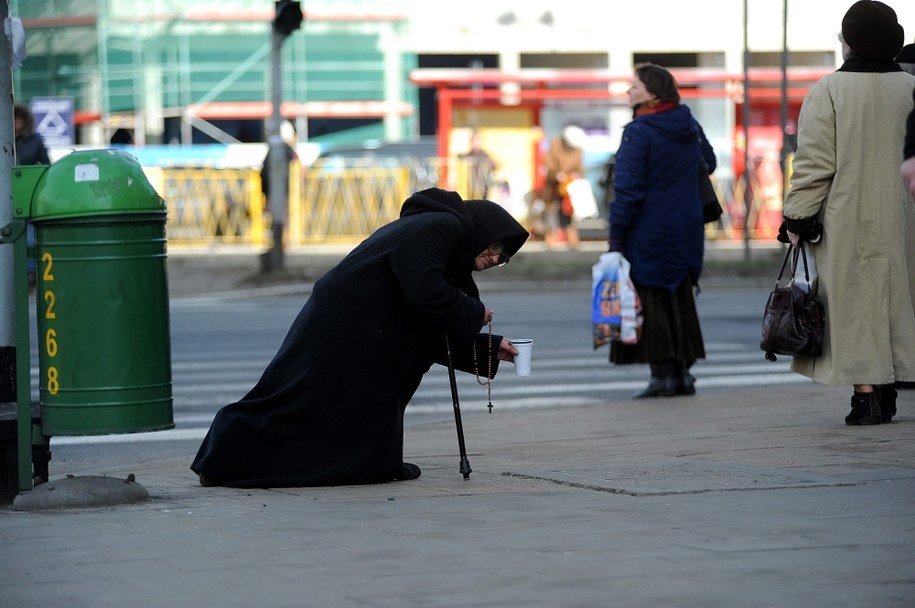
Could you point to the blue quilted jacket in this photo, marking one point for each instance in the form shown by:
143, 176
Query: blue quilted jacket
656, 214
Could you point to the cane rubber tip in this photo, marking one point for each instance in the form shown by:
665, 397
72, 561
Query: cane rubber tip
465, 468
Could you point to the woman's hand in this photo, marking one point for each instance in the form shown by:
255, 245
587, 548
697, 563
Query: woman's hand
507, 352
908, 175
487, 316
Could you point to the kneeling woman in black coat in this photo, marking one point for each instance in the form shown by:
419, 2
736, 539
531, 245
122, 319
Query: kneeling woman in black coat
329, 408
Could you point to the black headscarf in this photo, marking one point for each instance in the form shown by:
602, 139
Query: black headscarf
491, 223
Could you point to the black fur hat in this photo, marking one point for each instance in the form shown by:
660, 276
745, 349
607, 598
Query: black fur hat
871, 30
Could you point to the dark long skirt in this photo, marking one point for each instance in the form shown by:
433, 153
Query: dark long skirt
670, 329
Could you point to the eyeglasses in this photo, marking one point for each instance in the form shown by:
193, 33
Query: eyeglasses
498, 255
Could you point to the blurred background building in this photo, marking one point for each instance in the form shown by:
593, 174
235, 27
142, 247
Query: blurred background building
188, 81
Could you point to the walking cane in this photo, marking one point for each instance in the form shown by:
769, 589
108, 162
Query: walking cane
465, 464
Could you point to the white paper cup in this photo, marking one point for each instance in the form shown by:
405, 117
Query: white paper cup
525, 348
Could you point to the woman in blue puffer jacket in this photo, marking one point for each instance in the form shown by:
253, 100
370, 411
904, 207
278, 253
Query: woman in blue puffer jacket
656, 223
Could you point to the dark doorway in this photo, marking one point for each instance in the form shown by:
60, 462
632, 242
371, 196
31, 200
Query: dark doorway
428, 108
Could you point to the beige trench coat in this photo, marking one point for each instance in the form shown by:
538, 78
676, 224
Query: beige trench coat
846, 172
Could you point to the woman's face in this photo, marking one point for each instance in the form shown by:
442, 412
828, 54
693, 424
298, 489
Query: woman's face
494, 255
638, 93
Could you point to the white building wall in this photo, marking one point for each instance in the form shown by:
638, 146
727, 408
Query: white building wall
612, 25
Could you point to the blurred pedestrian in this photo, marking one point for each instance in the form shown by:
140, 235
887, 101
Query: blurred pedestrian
563, 162
329, 408
656, 222
846, 200
481, 167
30, 149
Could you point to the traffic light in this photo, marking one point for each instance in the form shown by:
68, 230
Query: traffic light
287, 17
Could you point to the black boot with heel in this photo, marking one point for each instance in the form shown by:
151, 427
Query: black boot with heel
662, 383
865, 410
886, 397
686, 383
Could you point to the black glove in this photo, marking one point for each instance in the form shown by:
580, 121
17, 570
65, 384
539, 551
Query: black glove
808, 229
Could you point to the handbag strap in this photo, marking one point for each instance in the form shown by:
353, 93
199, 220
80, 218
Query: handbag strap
803, 255
781, 270
798, 252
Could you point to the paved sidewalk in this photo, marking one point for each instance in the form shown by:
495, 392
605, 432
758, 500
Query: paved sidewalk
751, 498
756, 498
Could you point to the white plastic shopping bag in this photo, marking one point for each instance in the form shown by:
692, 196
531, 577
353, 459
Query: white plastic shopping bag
581, 195
616, 311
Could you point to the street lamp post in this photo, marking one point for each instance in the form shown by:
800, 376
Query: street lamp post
747, 186
287, 18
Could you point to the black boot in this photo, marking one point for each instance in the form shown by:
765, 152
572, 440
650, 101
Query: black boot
662, 383
685, 380
886, 397
865, 410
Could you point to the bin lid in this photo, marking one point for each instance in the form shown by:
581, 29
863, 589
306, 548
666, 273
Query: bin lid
94, 182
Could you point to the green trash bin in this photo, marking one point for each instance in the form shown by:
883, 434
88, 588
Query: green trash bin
104, 345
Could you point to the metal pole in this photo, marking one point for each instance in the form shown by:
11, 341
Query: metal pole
7, 160
747, 189
14, 295
279, 166
784, 117
14, 235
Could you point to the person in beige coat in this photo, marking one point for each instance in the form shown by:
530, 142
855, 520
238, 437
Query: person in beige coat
847, 200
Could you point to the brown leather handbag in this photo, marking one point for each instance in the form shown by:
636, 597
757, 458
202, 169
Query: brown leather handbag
794, 320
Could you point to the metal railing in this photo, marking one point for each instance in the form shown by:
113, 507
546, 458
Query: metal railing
207, 205
327, 206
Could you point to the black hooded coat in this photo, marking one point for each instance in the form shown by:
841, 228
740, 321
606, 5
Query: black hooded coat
328, 409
